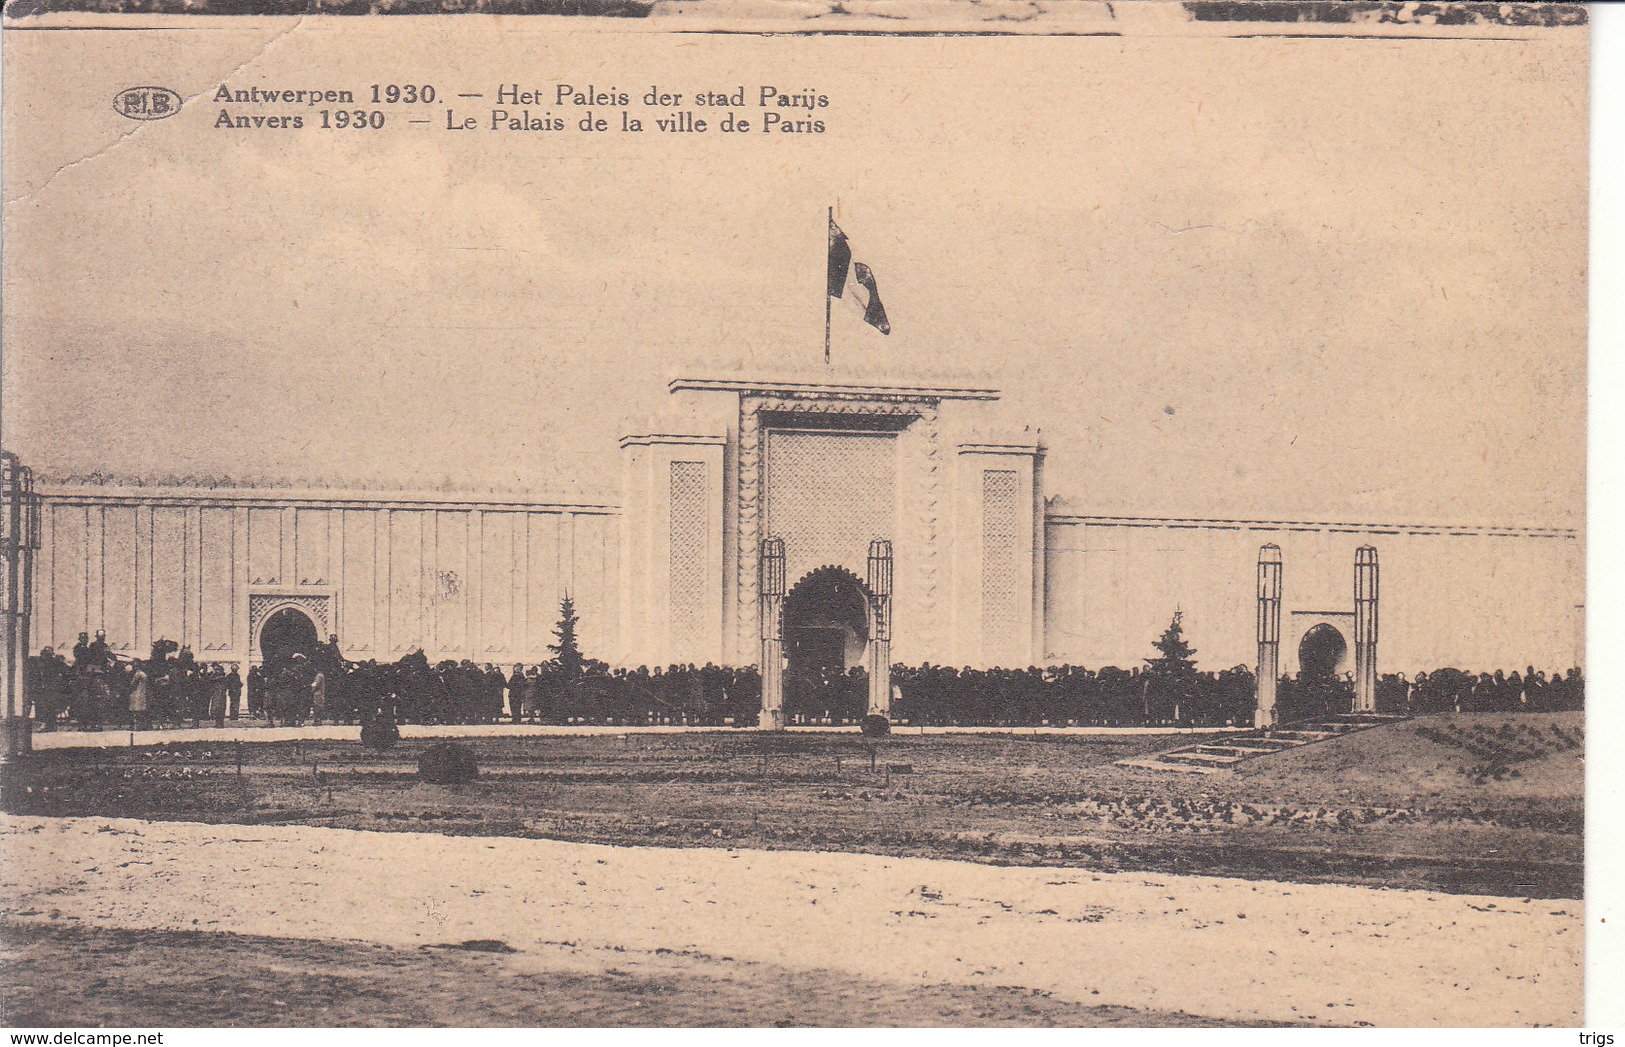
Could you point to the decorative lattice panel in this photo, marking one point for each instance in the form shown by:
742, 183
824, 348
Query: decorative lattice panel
1000, 521
690, 537
828, 495
262, 605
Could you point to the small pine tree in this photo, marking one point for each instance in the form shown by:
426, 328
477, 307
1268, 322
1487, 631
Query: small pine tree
567, 652
1175, 655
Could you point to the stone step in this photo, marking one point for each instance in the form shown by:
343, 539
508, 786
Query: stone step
1306, 736
1151, 763
1237, 749
1329, 727
1191, 756
1211, 757
1275, 745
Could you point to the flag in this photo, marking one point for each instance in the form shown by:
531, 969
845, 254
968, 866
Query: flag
840, 265
840, 260
874, 314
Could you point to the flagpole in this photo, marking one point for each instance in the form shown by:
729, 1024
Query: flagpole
829, 226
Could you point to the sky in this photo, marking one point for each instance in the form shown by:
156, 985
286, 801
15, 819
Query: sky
1315, 279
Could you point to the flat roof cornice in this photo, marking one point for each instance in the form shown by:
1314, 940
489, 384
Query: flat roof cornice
169, 496
770, 387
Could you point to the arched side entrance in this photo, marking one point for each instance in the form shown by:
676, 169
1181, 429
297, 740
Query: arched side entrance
826, 622
286, 632
1324, 647
1323, 651
318, 607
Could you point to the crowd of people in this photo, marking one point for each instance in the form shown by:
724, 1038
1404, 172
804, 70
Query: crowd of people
1113, 697
1070, 695
450, 692
98, 689
1452, 690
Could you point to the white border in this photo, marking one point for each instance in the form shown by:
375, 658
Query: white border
1605, 603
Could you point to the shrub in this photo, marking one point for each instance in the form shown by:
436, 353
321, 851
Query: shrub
448, 764
380, 732
876, 726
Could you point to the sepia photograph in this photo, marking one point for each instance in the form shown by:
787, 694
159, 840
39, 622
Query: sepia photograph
794, 513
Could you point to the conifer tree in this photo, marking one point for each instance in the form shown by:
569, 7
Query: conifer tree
567, 652
1175, 656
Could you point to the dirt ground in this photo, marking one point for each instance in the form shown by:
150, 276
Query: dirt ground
69, 976
1388, 807
1229, 951
808, 879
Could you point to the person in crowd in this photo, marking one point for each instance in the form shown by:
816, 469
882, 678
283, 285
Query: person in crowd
101, 695
516, 694
139, 683
196, 689
99, 653
214, 679
495, 687
318, 696
331, 658
82, 699
534, 709
256, 692
1532, 689
234, 691
47, 687
282, 694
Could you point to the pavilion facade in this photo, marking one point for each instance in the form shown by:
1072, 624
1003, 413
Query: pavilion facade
982, 567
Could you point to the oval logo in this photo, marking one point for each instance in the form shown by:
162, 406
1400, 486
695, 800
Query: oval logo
147, 103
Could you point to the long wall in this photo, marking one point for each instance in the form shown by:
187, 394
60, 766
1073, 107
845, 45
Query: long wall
1476, 598
482, 580
458, 578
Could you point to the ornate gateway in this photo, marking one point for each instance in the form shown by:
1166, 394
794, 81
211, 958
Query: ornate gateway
827, 469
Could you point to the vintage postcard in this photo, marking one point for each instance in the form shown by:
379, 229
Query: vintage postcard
794, 513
